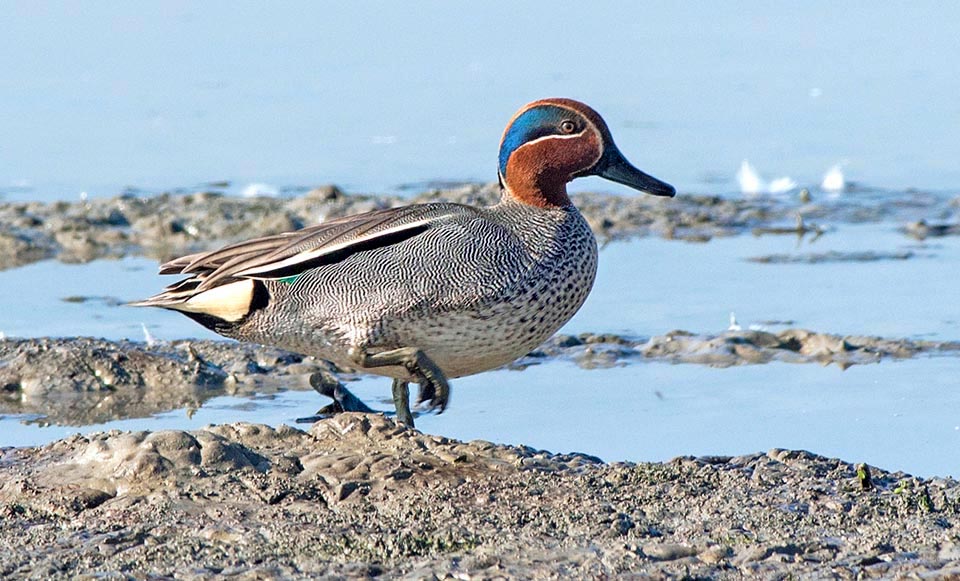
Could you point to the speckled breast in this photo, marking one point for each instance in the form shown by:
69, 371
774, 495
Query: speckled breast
523, 316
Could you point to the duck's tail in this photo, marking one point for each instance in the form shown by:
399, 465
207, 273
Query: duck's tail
230, 301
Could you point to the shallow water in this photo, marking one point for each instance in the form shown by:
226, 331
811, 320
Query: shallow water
375, 98
379, 95
651, 286
896, 414
644, 287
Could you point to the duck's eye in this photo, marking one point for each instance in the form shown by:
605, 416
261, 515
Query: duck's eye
567, 126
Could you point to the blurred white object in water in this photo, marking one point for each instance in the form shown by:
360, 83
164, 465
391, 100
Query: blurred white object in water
734, 325
751, 182
781, 185
833, 180
748, 179
147, 336
260, 190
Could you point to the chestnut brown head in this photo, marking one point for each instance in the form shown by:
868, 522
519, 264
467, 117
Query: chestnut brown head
550, 142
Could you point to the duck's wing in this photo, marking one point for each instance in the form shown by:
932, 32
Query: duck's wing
291, 253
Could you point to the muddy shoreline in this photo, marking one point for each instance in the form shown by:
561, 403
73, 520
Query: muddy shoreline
167, 225
359, 496
83, 381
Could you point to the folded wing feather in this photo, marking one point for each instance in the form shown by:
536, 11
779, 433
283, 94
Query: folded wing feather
283, 255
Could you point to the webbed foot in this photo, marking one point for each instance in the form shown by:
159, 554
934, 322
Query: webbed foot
343, 401
434, 387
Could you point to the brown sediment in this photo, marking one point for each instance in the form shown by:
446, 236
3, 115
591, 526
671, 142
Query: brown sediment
921, 229
168, 225
738, 348
84, 381
832, 256
360, 496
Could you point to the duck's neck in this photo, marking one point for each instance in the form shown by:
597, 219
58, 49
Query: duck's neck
536, 196
537, 172
537, 191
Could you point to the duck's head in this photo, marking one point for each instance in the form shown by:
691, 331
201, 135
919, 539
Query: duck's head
553, 141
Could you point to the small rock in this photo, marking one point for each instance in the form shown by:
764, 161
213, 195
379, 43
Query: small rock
950, 551
668, 551
751, 554
715, 554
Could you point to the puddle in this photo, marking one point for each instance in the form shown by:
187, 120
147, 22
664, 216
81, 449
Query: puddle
67, 300
899, 415
650, 286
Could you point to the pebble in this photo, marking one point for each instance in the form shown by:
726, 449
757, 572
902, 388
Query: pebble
668, 551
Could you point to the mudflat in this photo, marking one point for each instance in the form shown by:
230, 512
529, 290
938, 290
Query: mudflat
169, 225
358, 495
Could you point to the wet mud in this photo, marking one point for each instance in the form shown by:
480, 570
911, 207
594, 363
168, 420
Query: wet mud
84, 381
168, 225
922, 230
359, 496
832, 256
732, 348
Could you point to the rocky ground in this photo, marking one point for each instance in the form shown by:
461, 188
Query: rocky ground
359, 496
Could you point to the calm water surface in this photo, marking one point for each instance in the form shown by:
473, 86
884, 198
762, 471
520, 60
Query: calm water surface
96, 98
896, 415
644, 287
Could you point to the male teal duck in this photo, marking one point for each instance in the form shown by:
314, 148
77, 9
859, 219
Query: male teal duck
425, 292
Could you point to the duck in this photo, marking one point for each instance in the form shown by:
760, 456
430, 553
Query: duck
426, 292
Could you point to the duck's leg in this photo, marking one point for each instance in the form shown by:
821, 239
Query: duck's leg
426, 393
401, 399
431, 379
